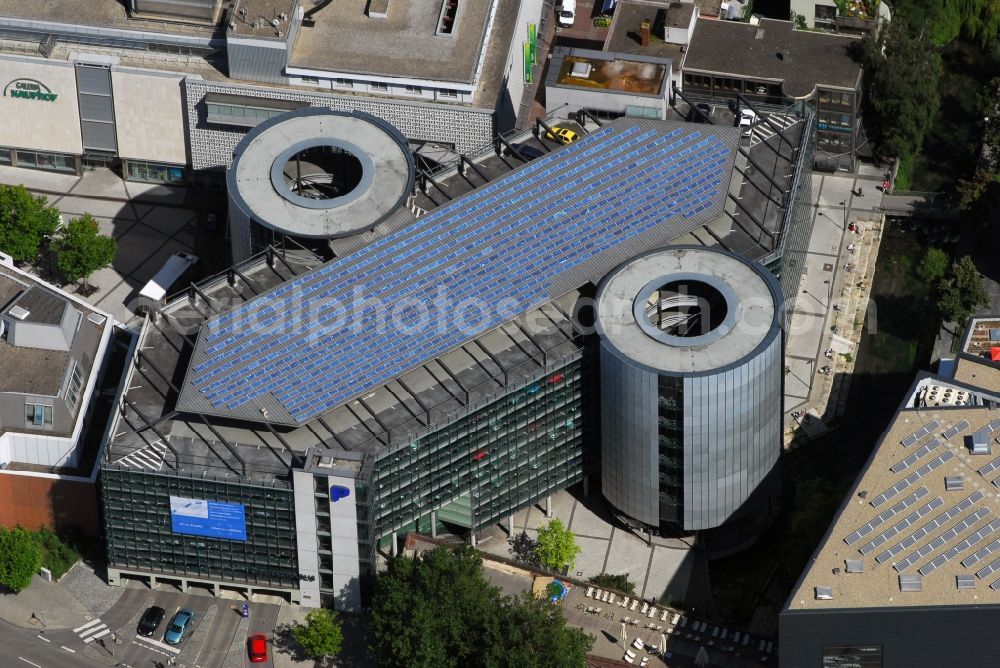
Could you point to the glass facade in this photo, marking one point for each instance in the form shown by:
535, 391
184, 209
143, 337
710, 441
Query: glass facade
670, 435
502, 455
154, 172
139, 537
6, 156
49, 162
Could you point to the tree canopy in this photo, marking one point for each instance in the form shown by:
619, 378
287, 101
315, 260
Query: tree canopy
557, 546
321, 636
20, 558
81, 249
25, 221
934, 265
944, 20
962, 292
438, 611
901, 81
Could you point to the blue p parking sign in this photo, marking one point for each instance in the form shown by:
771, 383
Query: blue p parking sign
337, 493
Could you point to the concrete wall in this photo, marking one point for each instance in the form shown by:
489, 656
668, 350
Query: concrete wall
344, 538
35, 124
212, 145
305, 536
149, 115
255, 59
575, 99
38, 448
48, 503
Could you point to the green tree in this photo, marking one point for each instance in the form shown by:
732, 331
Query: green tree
25, 221
81, 249
19, 558
556, 546
321, 636
962, 292
438, 611
901, 85
934, 266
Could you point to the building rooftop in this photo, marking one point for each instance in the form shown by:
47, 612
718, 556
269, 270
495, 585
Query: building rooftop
688, 309
275, 181
97, 13
774, 51
978, 372
30, 370
623, 35
540, 231
582, 68
42, 307
347, 39
923, 515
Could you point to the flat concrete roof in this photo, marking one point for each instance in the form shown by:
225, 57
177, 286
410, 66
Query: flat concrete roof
261, 13
878, 585
774, 51
100, 13
404, 45
595, 70
978, 372
752, 299
384, 154
623, 36
31, 370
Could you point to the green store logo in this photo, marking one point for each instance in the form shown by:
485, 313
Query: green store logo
29, 89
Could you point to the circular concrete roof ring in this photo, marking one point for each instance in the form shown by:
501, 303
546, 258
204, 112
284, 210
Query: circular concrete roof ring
380, 179
688, 310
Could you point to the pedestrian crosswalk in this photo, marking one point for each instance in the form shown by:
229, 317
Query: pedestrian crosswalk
92, 630
763, 131
150, 458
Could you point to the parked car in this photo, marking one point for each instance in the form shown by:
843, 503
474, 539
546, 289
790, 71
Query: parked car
567, 13
155, 291
748, 119
257, 648
150, 621
561, 135
178, 626
528, 151
703, 117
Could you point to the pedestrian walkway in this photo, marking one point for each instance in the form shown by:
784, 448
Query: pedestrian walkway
92, 630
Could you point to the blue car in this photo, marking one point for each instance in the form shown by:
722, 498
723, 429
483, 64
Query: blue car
178, 626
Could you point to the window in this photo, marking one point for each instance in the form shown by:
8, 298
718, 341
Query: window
414, 90
343, 83
52, 162
859, 657
379, 87
448, 92
5, 156
37, 415
310, 80
239, 114
75, 385
826, 12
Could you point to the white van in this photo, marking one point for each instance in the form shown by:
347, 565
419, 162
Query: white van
155, 291
567, 13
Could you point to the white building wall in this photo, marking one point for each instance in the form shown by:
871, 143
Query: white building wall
305, 537
149, 115
344, 538
36, 124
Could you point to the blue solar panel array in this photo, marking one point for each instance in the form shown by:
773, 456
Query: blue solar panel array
307, 343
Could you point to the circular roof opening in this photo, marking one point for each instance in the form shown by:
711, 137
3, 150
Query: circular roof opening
322, 172
686, 308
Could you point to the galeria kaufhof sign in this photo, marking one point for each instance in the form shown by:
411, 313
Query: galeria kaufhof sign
29, 89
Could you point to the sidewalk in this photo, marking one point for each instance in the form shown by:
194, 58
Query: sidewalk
43, 606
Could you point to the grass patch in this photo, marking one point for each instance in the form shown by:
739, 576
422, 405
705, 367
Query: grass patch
58, 555
904, 174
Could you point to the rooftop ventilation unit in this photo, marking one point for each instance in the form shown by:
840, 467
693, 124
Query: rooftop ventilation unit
581, 70
954, 483
824, 593
19, 312
980, 443
911, 583
854, 565
965, 581
325, 462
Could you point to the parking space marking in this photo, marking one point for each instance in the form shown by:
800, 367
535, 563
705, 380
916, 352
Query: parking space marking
71, 651
30, 663
43, 638
159, 644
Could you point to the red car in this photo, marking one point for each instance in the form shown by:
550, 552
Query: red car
257, 648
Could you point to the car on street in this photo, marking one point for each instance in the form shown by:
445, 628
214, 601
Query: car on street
561, 135
527, 151
257, 648
150, 621
748, 119
178, 626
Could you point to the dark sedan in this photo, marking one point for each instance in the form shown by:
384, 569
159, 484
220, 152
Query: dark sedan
150, 621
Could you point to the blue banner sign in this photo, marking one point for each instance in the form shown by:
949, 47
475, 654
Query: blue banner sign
338, 492
213, 519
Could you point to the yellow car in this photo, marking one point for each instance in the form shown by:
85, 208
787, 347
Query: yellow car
561, 135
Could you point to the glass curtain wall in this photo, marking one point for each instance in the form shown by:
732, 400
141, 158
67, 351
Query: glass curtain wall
670, 432
136, 508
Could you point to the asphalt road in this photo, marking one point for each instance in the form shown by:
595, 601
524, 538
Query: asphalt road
24, 648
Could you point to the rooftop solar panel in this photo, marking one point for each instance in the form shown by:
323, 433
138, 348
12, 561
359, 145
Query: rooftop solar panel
931, 526
990, 468
960, 547
902, 525
981, 553
887, 514
912, 478
321, 339
911, 459
920, 433
941, 540
957, 429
